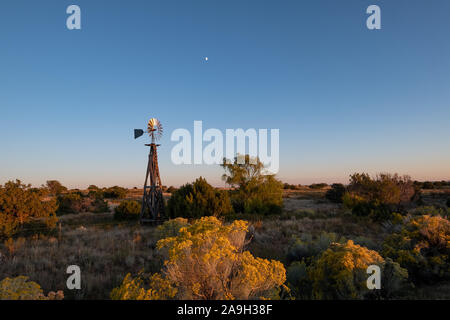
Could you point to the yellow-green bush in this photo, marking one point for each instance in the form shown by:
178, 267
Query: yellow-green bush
340, 272
206, 260
423, 247
19, 288
143, 287
171, 228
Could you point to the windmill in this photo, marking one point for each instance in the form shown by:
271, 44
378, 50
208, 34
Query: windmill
152, 200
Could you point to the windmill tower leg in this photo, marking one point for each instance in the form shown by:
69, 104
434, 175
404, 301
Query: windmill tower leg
153, 208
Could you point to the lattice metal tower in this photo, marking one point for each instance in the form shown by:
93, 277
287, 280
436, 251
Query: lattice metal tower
152, 210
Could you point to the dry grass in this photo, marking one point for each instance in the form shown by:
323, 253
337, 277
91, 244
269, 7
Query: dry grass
104, 252
107, 250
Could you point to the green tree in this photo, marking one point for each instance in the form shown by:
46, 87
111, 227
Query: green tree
198, 199
255, 191
55, 187
20, 204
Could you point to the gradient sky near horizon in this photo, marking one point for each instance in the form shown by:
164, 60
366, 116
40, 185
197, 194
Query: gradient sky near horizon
346, 99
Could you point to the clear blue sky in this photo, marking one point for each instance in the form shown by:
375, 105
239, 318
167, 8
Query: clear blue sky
345, 98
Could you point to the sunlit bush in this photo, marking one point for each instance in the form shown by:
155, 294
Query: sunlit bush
19, 288
20, 204
340, 272
206, 260
423, 247
171, 228
385, 188
153, 287
378, 198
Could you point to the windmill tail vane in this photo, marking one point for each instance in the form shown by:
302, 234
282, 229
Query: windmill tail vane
153, 207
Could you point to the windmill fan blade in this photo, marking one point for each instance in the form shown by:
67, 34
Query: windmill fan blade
138, 133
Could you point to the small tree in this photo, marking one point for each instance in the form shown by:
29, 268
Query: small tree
256, 192
20, 204
197, 200
55, 187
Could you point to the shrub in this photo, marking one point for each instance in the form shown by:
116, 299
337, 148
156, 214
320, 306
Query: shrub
374, 210
287, 186
427, 185
171, 189
99, 205
340, 272
171, 228
298, 280
318, 185
448, 202
423, 247
429, 211
55, 187
379, 198
20, 204
115, 193
128, 210
207, 261
197, 200
19, 288
77, 202
256, 192
71, 203
336, 193
95, 193
306, 248
143, 287
385, 188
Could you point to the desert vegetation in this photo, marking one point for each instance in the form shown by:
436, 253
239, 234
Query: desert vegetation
257, 239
